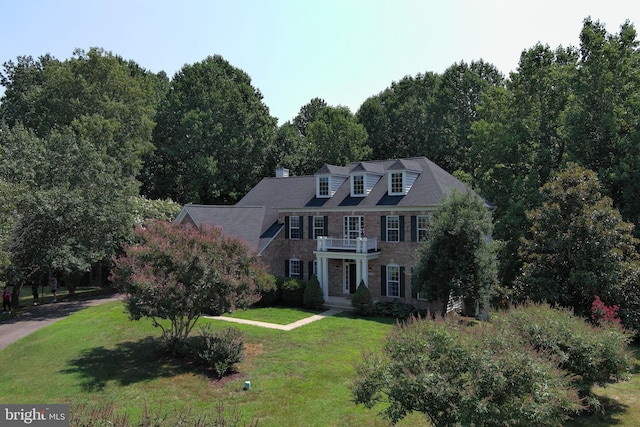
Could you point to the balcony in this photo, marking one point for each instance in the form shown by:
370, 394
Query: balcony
361, 245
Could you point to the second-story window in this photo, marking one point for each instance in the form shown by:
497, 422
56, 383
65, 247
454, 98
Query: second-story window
353, 227
393, 228
421, 228
294, 227
318, 226
358, 185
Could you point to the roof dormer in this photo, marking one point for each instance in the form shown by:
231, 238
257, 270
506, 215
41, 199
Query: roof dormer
328, 180
401, 176
363, 177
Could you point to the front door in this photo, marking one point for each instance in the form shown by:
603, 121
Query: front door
350, 284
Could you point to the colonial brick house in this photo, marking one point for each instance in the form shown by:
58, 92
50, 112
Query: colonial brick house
363, 221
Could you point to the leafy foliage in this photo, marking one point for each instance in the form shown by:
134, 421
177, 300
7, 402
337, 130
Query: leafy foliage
313, 296
179, 273
591, 355
293, 291
458, 375
221, 349
580, 247
457, 259
362, 300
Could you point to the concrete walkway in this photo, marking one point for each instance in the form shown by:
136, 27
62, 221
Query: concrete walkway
288, 327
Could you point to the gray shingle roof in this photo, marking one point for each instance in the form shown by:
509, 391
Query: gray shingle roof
255, 215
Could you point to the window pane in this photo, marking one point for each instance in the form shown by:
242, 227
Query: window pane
358, 184
422, 227
294, 227
318, 226
393, 280
323, 186
396, 182
393, 228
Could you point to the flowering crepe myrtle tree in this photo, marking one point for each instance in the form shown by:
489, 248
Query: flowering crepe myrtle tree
177, 273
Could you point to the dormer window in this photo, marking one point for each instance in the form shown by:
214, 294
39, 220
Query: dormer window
357, 186
323, 186
396, 183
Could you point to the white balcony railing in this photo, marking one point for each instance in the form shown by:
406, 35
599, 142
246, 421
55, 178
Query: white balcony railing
359, 245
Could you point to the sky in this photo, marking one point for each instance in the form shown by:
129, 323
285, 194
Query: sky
343, 51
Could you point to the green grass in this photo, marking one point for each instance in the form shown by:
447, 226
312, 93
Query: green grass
277, 315
298, 378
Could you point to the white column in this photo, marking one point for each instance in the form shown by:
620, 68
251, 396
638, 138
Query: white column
365, 271
358, 272
324, 267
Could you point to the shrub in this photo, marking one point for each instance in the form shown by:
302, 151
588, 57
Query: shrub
396, 309
601, 313
272, 296
293, 292
463, 375
362, 300
313, 296
593, 355
221, 349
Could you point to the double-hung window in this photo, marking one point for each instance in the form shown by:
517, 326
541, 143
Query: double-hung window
294, 227
294, 268
318, 226
421, 227
357, 182
323, 186
396, 183
393, 280
393, 228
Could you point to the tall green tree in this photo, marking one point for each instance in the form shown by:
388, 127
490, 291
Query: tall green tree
336, 138
579, 247
518, 141
211, 138
603, 120
106, 100
75, 207
457, 259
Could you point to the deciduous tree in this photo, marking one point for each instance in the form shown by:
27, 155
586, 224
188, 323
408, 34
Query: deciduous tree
579, 247
457, 259
178, 273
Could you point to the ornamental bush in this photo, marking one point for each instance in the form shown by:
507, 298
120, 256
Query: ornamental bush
220, 350
362, 300
456, 375
592, 355
293, 292
313, 296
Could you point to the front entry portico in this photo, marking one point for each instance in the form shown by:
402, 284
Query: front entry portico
356, 254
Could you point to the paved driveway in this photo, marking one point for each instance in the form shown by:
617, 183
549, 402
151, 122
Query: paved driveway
28, 321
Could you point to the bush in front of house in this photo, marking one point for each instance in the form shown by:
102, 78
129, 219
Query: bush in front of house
396, 309
362, 300
457, 374
313, 296
293, 292
271, 297
221, 349
592, 355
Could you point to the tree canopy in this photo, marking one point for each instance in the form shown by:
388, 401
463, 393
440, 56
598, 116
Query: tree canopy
457, 259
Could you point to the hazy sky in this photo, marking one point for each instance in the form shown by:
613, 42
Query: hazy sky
343, 51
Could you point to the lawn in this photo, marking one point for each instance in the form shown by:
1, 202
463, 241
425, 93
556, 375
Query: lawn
298, 378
